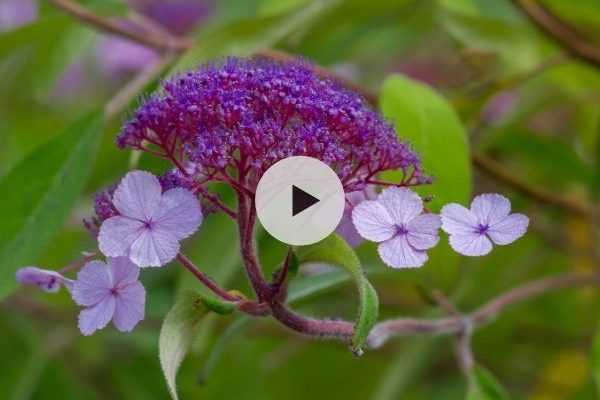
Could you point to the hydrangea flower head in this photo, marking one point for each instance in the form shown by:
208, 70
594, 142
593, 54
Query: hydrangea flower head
109, 292
396, 221
489, 220
47, 280
150, 223
240, 117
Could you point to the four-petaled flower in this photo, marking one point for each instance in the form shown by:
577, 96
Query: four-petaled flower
395, 220
47, 280
150, 223
489, 220
109, 291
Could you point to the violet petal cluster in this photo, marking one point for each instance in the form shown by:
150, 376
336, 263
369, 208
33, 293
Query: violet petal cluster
472, 231
245, 115
150, 223
109, 292
396, 221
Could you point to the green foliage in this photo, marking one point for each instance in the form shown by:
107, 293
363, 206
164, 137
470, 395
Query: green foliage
429, 123
334, 250
39, 194
595, 360
247, 36
483, 386
179, 329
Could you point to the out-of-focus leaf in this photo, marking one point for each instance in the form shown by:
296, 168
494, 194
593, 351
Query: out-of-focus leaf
424, 118
335, 250
274, 7
405, 366
39, 193
484, 386
494, 26
245, 37
595, 362
551, 160
178, 332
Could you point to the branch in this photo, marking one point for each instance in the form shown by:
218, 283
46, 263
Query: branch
498, 171
560, 31
163, 43
122, 99
206, 281
484, 314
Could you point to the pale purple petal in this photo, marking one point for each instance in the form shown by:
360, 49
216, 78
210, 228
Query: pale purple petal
509, 229
138, 195
117, 234
123, 271
401, 203
154, 248
179, 213
94, 283
470, 244
457, 219
490, 208
346, 228
372, 221
423, 231
48, 281
398, 253
129, 310
96, 317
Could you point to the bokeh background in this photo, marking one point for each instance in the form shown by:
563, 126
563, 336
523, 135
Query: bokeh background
523, 101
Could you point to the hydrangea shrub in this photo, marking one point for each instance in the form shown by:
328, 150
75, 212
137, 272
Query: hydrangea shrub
227, 123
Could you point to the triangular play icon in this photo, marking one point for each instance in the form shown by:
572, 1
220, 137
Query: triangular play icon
301, 200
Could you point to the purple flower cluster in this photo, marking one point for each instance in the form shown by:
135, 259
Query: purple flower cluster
245, 115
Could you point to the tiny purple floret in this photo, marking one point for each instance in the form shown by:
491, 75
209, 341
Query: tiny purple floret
246, 115
47, 280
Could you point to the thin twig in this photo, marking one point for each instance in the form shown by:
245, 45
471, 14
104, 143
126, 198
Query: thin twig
484, 314
560, 31
122, 99
163, 43
499, 172
208, 282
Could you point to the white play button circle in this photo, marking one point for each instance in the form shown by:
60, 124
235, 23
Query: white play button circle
300, 200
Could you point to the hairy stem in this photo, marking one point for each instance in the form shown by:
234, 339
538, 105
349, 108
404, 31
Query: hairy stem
206, 281
322, 328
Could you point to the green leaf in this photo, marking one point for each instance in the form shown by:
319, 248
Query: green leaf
424, 118
334, 250
483, 386
495, 26
179, 329
39, 193
596, 360
247, 36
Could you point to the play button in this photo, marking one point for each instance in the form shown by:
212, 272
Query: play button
300, 200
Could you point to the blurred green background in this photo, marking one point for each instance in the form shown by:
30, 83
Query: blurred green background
519, 98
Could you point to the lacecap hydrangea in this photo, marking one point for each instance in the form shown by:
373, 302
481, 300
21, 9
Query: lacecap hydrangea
236, 119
